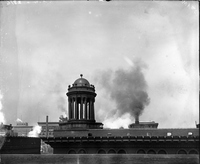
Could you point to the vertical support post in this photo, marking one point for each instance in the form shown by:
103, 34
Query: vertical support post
86, 108
93, 111
73, 108
90, 108
47, 127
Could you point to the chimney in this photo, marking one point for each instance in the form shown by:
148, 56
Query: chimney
136, 120
47, 128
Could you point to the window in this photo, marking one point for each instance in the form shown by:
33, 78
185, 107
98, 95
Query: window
141, 151
101, 151
162, 152
193, 152
151, 152
82, 151
72, 152
111, 151
182, 152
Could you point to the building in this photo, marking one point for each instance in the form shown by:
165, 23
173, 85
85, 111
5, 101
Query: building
138, 124
11, 143
81, 134
81, 98
22, 128
47, 128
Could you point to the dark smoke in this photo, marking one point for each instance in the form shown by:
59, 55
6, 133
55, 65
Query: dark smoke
128, 88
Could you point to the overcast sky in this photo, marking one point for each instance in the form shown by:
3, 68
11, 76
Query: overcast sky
46, 46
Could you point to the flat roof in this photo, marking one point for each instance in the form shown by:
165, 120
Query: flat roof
127, 132
145, 131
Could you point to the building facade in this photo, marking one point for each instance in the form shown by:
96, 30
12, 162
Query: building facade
81, 134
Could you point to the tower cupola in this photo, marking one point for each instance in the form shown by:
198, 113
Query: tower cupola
81, 98
81, 82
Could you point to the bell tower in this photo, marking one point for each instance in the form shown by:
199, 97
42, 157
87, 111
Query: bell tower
81, 112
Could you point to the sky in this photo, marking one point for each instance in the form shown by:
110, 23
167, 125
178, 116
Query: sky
127, 50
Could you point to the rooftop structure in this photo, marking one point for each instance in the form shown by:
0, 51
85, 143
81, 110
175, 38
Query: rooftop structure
138, 124
81, 98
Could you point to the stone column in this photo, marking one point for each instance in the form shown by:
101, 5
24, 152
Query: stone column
81, 110
92, 116
73, 108
77, 109
86, 108
91, 109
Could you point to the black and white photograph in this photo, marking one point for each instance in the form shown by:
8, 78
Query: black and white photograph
99, 82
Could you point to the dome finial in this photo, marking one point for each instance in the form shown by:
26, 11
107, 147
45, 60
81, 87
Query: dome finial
81, 75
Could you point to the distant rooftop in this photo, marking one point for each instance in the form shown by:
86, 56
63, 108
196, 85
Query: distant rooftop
143, 124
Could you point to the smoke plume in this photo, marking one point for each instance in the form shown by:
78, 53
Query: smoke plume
35, 132
127, 88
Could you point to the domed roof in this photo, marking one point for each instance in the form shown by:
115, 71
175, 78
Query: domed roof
81, 82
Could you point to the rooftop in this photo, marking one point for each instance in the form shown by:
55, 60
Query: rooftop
128, 132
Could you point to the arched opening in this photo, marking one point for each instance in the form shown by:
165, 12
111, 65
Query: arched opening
193, 152
82, 151
151, 152
162, 152
121, 152
141, 151
111, 151
182, 152
83, 111
72, 152
88, 111
101, 151
79, 111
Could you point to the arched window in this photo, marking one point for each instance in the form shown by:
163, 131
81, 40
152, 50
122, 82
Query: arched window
111, 151
82, 151
121, 152
151, 152
162, 152
193, 152
141, 151
182, 152
101, 151
72, 152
